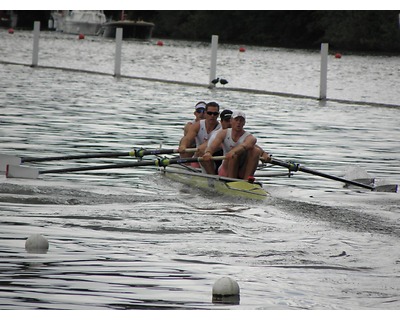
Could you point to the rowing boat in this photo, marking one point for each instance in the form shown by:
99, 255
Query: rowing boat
176, 169
237, 188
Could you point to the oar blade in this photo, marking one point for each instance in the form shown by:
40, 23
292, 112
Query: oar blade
372, 183
387, 188
6, 159
15, 171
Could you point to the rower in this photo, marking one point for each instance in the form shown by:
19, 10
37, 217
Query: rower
200, 131
225, 120
199, 109
211, 166
239, 148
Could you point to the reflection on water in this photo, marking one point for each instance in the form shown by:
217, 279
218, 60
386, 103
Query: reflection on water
131, 239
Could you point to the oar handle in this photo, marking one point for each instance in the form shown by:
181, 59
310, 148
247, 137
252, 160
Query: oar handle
139, 153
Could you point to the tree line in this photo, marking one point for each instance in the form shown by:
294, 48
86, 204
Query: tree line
371, 30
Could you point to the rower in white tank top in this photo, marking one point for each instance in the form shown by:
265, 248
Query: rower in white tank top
228, 144
213, 135
203, 135
241, 156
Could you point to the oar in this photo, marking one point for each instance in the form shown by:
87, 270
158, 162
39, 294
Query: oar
14, 171
138, 153
293, 167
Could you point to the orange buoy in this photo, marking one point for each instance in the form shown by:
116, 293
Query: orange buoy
81, 36
338, 55
11, 31
242, 49
160, 43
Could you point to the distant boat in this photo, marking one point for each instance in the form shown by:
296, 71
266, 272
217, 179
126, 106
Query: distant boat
131, 29
87, 22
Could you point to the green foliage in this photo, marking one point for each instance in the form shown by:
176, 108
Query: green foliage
350, 30
362, 30
343, 30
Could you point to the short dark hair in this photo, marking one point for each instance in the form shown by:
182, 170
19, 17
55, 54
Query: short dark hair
212, 104
226, 114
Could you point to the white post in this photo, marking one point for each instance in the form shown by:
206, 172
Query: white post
213, 69
118, 49
324, 71
35, 54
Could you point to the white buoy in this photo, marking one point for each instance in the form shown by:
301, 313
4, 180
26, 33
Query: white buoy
36, 244
226, 290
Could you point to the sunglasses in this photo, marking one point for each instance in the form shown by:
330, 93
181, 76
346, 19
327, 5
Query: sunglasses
212, 113
200, 110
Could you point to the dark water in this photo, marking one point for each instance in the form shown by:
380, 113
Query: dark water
131, 239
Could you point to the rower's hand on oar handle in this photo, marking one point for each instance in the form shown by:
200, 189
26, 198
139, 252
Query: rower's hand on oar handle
231, 155
207, 156
265, 157
182, 151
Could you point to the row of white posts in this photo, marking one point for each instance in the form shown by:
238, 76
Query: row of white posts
213, 67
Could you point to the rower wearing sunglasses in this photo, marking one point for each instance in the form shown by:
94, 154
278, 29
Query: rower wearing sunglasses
200, 131
199, 110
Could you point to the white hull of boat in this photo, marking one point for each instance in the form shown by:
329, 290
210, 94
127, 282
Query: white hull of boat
87, 22
86, 28
131, 29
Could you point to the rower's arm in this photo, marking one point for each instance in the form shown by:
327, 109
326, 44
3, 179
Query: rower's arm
264, 155
247, 144
188, 138
216, 143
186, 128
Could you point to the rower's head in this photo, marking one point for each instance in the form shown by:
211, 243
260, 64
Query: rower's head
199, 109
238, 119
226, 118
212, 111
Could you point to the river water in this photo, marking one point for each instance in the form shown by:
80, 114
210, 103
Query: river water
131, 239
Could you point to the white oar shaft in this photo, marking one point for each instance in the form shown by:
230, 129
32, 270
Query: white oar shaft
14, 171
138, 153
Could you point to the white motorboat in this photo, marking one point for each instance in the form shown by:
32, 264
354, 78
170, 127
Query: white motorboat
87, 22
